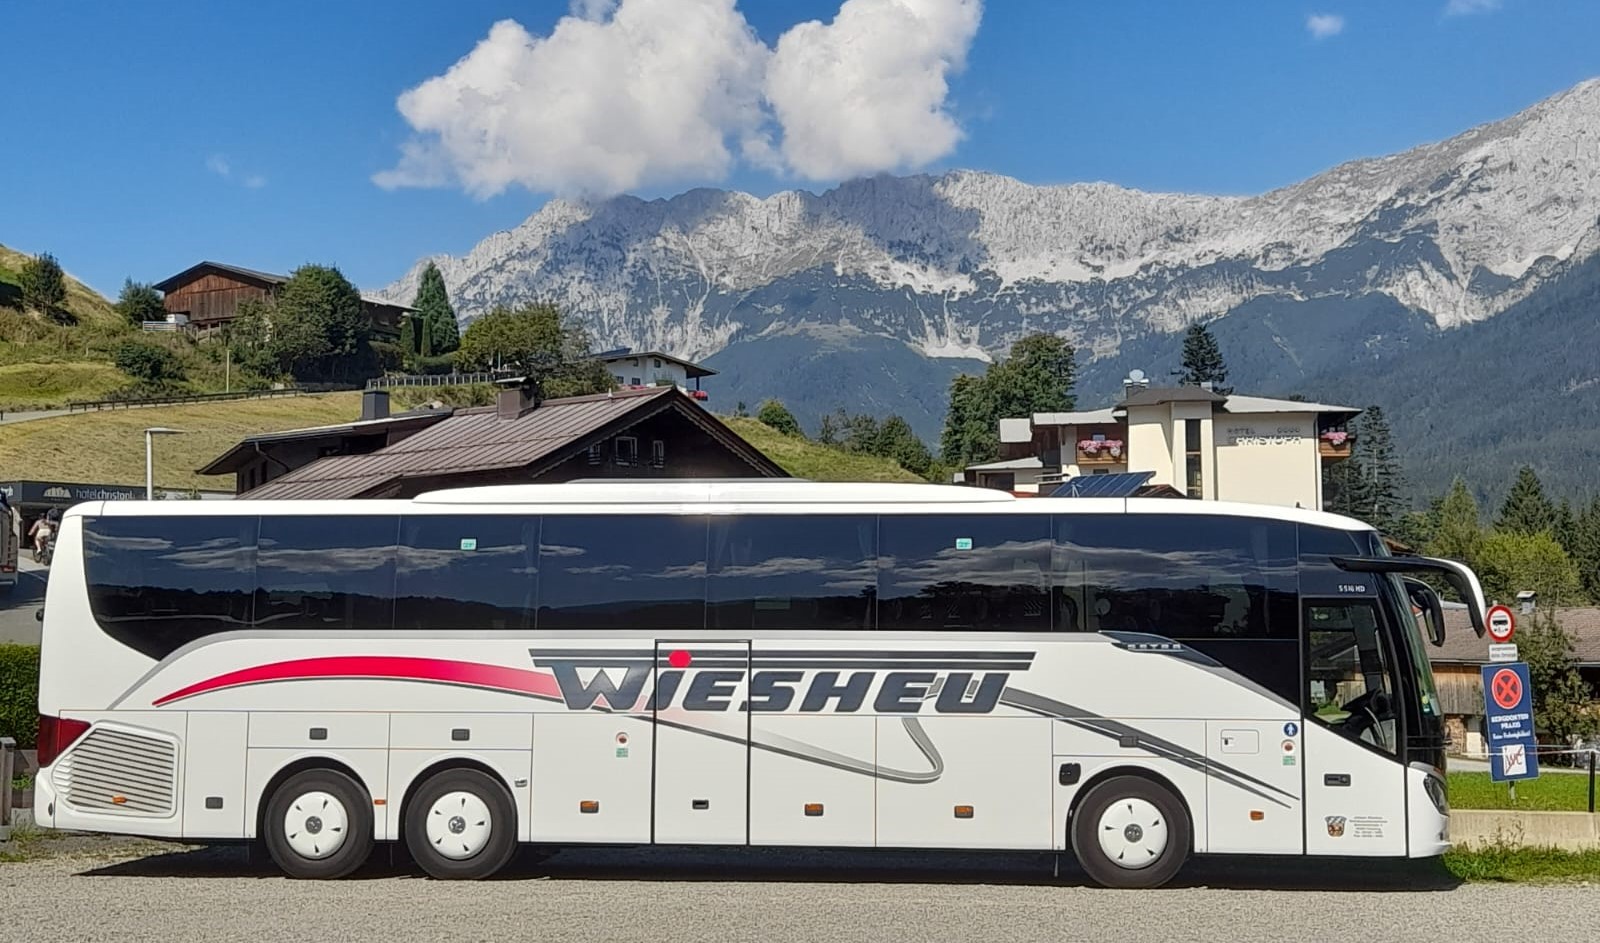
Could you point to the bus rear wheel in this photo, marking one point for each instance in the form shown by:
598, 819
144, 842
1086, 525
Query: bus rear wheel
319, 825
461, 825
1130, 832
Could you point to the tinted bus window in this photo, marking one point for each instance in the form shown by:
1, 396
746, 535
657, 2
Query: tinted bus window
622, 571
157, 583
467, 572
1225, 586
965, 572
792, 572
322, 573
1182, 576
1326, 541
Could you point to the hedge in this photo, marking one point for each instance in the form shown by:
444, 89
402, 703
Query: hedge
19, 693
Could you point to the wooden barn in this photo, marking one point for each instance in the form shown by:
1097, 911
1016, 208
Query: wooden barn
208, 295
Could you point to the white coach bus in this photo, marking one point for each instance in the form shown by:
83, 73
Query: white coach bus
743, 663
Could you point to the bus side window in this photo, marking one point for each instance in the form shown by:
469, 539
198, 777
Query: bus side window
622, 571
792, 572
965, 571
315, 573
467, 572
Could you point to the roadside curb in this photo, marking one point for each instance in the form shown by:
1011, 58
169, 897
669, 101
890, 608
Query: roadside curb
1484, 828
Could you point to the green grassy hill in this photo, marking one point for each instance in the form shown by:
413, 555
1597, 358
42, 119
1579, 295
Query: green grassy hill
108, 447
803, 458
84, 303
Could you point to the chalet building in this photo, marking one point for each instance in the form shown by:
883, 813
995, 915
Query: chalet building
1207, 445
655, 432
636, 370
208, 295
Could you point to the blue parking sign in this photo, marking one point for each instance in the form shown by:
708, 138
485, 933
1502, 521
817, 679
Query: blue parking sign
1508, 722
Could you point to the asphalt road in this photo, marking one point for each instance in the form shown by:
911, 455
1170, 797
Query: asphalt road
17, 608
670, 896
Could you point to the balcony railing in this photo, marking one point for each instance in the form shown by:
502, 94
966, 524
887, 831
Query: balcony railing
1101, 452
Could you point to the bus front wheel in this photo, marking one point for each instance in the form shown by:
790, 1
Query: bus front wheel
461, 825
1130, 832
319, 825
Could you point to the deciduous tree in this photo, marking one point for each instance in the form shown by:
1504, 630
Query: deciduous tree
534, 340
1563, 705
773, 413
43, 284
139, 303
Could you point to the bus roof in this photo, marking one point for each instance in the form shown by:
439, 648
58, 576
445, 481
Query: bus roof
620, 496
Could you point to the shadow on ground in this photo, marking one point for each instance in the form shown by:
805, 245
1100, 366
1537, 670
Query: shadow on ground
813, 866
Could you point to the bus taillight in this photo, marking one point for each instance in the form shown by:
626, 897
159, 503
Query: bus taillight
56, 734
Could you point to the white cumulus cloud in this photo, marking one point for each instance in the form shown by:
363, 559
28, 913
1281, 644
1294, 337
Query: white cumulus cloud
219, 165
1324, 25
867, 92
628, 93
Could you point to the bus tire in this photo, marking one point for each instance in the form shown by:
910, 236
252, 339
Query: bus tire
461, 825
318, 825
1130, 832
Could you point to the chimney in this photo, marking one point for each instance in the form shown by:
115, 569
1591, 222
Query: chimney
1208, 386
518, 397
1525, 601
374, 404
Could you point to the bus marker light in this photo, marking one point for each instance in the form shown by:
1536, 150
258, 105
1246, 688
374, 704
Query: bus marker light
963, 811
119, 800
679, 659
588, 807
813, 808
1256, 815
380, 802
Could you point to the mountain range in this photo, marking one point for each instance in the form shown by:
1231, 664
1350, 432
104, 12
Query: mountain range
1376, 282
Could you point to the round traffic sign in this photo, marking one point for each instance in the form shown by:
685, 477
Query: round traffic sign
1501, 623
1506, 688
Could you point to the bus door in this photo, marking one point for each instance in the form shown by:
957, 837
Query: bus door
702, 742
1355, 784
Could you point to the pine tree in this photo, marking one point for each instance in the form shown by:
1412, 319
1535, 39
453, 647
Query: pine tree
1347, 483
1526, 509
408, 335
1586, 549
831, 427
1564, 526
1382, 480
898, 442
1458, 529
1202, 360
437, 332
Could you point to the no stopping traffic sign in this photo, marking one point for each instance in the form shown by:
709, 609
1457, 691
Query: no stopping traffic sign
1501, 623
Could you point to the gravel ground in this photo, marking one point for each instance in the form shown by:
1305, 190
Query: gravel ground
92, 890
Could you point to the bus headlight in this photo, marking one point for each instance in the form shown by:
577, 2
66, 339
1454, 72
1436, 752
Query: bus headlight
1434, 787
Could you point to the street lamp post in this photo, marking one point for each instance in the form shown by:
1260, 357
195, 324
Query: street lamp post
149, 458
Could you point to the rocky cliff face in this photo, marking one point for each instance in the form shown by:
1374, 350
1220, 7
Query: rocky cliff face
927, 274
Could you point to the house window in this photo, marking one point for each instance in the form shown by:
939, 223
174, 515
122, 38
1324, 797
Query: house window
658, 453
626, 450
1195, 473
595, 455
635, 382
656, 362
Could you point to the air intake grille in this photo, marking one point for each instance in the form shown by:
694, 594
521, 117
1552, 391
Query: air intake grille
120, 772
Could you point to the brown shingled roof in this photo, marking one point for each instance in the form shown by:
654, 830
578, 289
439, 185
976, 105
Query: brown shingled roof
1463, 647
477, 440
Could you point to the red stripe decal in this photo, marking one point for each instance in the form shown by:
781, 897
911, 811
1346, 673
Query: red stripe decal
380, 667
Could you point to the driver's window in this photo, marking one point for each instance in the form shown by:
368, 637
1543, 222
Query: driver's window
1350, 680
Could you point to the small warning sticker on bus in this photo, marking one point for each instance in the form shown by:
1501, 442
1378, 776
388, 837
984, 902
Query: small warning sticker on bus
963, 543
469, 543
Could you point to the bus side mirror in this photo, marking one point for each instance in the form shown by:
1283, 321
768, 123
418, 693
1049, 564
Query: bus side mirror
1425, 599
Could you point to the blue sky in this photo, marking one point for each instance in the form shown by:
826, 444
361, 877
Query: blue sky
145, 137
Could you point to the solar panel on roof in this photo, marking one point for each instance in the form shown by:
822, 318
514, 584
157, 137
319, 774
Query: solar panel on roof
1122, 485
